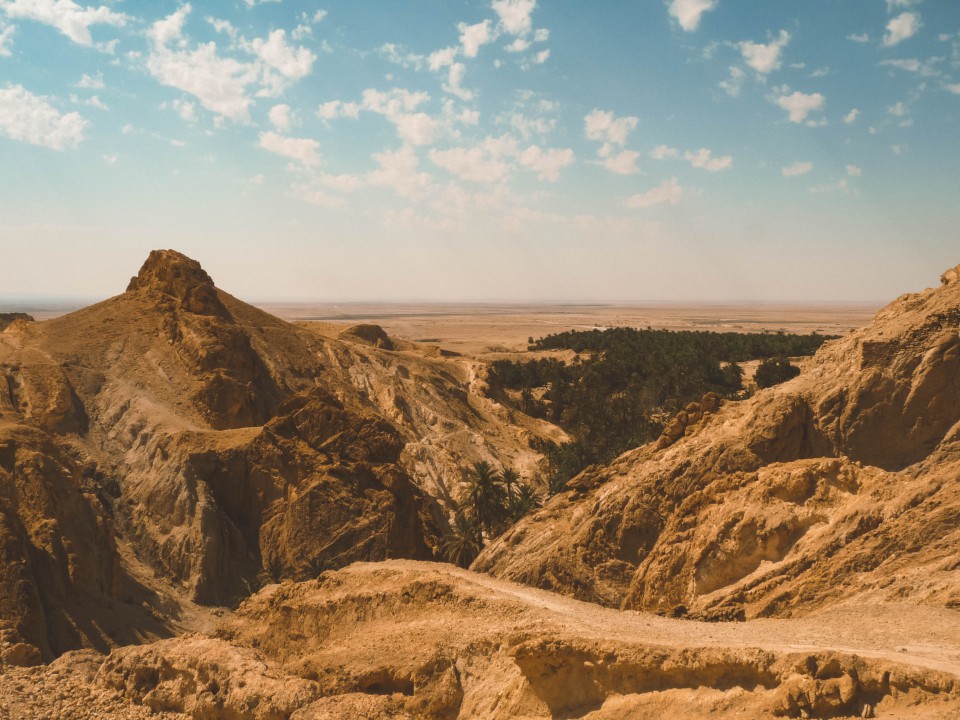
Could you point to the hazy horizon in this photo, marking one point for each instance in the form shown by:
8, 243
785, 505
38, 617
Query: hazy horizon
683, 151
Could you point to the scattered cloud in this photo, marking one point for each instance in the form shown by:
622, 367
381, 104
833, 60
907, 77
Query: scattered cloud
398, 56
281, 116
6, 38
31, 118
901, 28
899, 109
927, 68
764, 58
303, 150
799, 105
66, 16
703, 158
954, 88
893, 5
734, 84
854, 171
546, 162
472, 37
291, 62
399, 171
471, 164
219, 83
797, 169
91, 82
851, 116
185, 109
662, 152
859, 38
336, 108
669, 192
515, 15
623, 163
687, 12
605, 127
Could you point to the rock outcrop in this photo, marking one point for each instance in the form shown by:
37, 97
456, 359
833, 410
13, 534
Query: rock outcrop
840, 483
224, 448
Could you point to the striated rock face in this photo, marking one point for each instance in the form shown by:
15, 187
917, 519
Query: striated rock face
57, 548
224, 448
792, 500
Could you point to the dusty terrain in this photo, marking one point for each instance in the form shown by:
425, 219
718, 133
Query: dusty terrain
209, 512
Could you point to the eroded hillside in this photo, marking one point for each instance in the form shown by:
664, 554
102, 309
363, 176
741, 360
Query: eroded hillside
840, 485
225, 447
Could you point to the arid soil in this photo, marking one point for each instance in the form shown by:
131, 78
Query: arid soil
209, 512
492, 328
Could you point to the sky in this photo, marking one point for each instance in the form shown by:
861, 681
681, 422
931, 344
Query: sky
494, 150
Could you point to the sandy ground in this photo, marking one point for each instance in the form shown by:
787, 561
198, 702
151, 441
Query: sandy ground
474, 329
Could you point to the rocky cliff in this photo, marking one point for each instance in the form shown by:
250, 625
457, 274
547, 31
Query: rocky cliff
838, 485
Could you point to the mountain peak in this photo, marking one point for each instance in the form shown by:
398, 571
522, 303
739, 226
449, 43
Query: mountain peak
174, 274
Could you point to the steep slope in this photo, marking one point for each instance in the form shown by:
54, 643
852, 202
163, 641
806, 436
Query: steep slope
840, 485
225, 446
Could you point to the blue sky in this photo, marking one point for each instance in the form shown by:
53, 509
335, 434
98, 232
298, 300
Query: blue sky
551, 150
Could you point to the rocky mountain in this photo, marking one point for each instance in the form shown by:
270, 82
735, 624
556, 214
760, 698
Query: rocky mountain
222, 447
209, 513
838, 486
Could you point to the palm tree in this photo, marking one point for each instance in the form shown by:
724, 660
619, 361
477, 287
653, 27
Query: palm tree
464, 542
510, 479
486, 496
522, 503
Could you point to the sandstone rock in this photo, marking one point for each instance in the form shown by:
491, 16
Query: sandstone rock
370, 334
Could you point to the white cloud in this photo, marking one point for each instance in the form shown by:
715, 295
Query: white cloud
519, 45
798, 168
854, 171
528, 126
668, 192
473, 36
395, 54
399, 171
92, 101
251, 3
393, 102
6, 36
688, 12
110, 159
662, 152
439, 59
291, 62
66, 16
547, 163
91, 82
954, 88
851, 116
703, 158
335, 108
185, 109
861, 38
623, 163
416, 128
281, 117
515, 15
30, 118
222, 26
541, 57
799, 105
603, 126
733, 84
454, 84
220, 84
303, 150
902, 27
764, 58
899, 109
471, 164
924, 69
